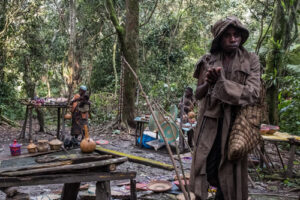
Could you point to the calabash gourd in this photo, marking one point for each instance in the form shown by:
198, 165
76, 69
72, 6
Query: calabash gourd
87, 145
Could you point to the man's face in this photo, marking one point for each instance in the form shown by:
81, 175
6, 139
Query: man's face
81, 92
188, 93
231, 39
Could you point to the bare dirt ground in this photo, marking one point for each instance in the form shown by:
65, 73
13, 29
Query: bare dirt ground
264, 189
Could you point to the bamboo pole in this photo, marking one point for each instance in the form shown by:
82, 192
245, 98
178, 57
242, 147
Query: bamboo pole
177, 150
159, 127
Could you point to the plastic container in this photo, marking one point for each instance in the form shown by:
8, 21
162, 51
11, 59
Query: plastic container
15, 148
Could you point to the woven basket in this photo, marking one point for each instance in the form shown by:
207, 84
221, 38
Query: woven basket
245, 135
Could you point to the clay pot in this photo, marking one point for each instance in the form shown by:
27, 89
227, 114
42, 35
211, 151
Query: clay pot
68, 116
55, 144
42, 146
87, 145
31, 148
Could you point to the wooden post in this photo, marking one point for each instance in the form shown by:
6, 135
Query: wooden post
70, 191
133, 189
279, 155
58, 122
30, 123
141, 134
22, 136
181, 141
63, 124
103, 190
289, 172
262, 151
136, 133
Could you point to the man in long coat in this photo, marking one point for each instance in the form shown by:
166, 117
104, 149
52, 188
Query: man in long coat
228, 78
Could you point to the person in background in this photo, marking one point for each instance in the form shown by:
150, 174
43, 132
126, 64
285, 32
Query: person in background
80, 109
228, 78
185, 106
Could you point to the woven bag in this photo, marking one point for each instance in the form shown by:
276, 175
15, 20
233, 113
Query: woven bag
245, 134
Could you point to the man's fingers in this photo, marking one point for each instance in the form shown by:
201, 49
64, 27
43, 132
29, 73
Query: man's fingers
214, 73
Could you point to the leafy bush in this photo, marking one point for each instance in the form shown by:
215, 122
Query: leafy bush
289, 105
104, 107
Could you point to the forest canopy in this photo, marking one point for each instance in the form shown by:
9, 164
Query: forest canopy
49, 48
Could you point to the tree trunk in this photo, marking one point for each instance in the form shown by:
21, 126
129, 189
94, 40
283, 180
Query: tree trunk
114, 67
2, 49
71, 52
131, 54
128, 39
283, 24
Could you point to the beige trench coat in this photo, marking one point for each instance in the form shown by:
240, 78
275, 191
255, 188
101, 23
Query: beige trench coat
235, 88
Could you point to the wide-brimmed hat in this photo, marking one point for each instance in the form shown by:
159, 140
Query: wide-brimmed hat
219, 28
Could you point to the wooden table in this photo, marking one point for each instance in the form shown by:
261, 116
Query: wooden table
292, 140
61, 110
140, 126
101, 168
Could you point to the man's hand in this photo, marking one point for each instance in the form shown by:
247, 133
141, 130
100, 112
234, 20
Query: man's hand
212, 75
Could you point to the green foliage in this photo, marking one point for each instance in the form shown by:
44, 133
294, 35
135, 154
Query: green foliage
104, 107
9, 106
170, 44
289, 105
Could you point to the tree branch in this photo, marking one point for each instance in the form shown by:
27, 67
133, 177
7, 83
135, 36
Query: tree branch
114, 19
147, 21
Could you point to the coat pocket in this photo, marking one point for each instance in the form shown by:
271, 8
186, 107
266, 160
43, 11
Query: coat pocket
240, 76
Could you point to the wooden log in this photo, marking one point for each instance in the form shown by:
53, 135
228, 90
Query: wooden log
111, 167
274, 177
133, 189
70, 191
136, 159
8, 121
30, 167
45, 179
285, 196
9, 191
103, 190
67, 168
75, 158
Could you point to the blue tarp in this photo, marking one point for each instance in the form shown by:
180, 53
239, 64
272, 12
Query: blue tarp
146, 138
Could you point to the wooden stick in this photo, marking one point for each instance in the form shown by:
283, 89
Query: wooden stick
136, 159
159, 127
279, 155
29, 167
250, 179
289, 171
250, 161
177, 152
274, 195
